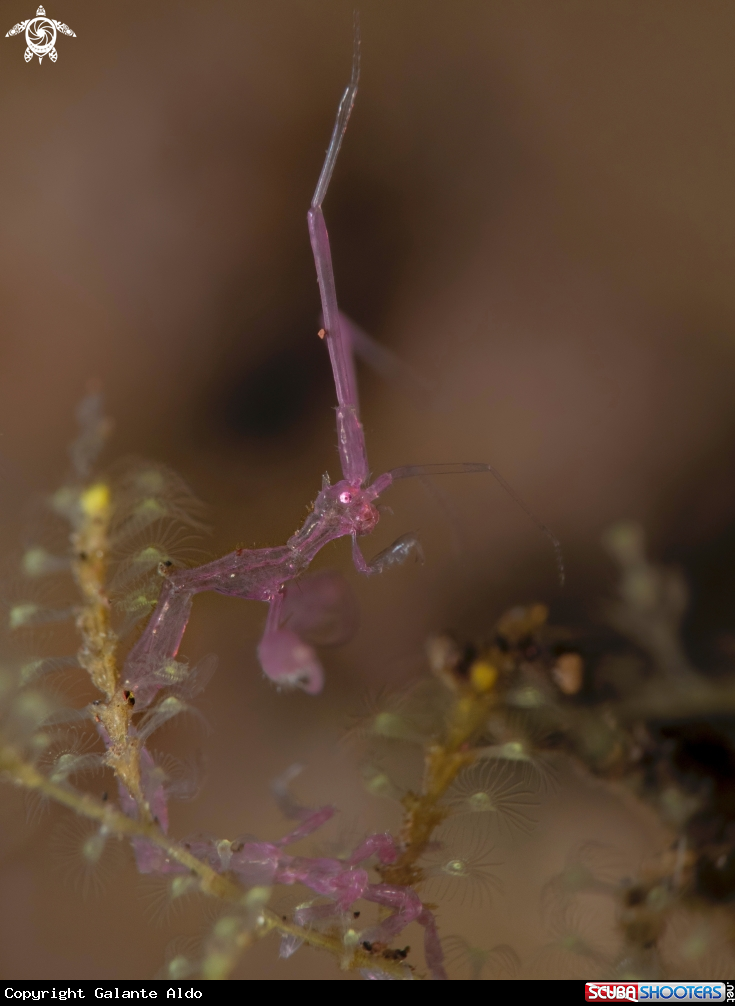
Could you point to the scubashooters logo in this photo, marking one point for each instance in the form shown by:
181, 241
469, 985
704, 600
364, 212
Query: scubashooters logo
655, 991
40, 35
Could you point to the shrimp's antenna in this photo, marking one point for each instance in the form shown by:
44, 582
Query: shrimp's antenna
350, 437
340, 125
465, 467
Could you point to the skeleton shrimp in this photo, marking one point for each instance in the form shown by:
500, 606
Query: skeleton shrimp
346, 509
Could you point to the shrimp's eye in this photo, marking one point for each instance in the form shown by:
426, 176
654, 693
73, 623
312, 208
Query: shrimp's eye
345, 497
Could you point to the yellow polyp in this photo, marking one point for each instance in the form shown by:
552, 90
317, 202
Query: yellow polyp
95, 501
483, 676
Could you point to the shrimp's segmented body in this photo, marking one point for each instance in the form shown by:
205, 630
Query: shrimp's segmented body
258, 575
345, 509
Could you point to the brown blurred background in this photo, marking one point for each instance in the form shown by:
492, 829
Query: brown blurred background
534, 208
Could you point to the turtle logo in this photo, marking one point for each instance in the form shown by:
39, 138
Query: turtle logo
40, 35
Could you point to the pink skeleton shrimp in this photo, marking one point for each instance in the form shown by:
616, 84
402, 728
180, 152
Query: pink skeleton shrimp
345, 509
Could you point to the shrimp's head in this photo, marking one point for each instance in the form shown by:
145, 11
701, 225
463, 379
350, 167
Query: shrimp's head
351, 505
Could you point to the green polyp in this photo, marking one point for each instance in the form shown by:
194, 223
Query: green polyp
390, 725
479, 802
227, 927
151, 508
65, 501
28, 671
150, 481
36, 561
139, 603
456, 868
150, 556
183, 885
173, 672
93, 848
180, 967
23, 614
30, 709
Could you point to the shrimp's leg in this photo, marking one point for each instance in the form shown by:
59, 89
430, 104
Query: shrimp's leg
384, 362
350, 436
393, 555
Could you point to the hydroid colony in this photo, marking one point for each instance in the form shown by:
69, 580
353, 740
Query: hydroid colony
492, 721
